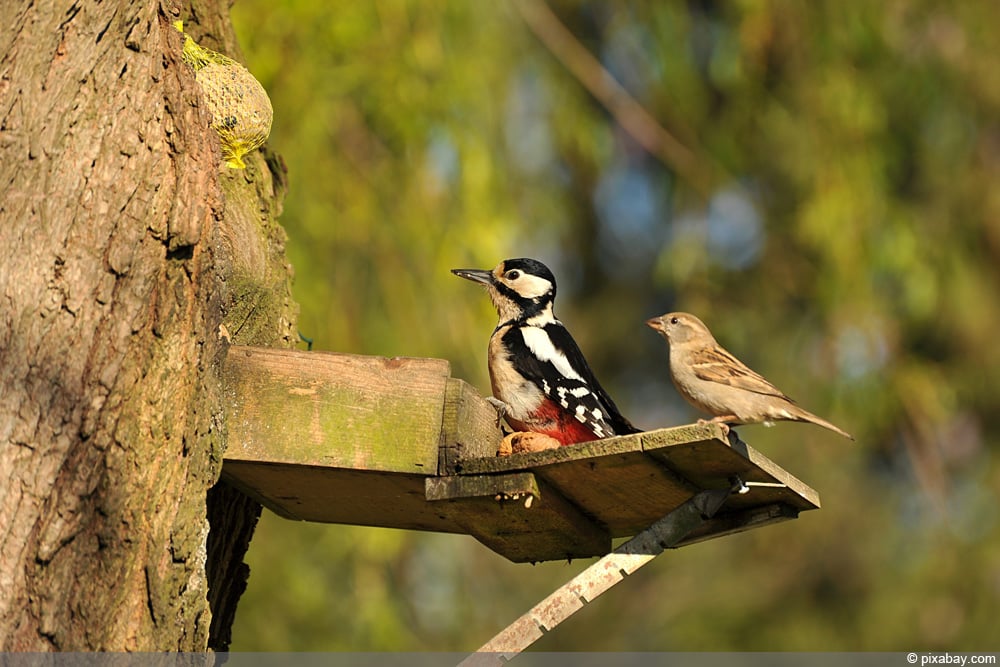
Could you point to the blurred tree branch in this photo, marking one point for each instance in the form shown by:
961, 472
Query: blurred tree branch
627, 111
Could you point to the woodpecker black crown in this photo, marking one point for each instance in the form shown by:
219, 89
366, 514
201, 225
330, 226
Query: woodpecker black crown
532, 267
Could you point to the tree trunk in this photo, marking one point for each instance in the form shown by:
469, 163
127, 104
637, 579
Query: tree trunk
123, 248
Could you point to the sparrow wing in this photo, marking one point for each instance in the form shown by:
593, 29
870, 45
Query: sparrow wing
716, 364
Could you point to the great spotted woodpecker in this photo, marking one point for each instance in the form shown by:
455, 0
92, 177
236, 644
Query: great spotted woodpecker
540, 379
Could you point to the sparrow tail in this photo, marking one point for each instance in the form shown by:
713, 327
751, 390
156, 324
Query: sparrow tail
803, 415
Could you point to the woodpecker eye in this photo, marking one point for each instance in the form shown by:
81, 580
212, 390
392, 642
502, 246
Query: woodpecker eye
674, 320
513, 274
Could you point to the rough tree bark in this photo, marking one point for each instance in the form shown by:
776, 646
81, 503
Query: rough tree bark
123, 248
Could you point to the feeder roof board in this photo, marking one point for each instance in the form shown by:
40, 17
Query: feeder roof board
398, 443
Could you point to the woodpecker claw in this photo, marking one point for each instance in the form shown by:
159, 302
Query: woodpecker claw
501, 408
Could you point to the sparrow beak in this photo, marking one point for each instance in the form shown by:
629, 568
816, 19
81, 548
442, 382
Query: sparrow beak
475, 275
656, 324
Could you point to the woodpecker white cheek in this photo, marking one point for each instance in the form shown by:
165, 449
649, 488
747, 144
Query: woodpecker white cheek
531, 287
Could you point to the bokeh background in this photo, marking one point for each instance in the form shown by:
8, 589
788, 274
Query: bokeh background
816, 180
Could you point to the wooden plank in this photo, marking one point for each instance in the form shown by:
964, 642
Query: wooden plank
532, 522
469, 427
530, 460
708, 465
514, 486
335, 410
698, 454
731, 522
336, 495
619, 486
371, 441
628, 482
340, 438
597, 579
611, 480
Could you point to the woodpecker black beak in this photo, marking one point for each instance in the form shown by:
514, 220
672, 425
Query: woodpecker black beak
475, 275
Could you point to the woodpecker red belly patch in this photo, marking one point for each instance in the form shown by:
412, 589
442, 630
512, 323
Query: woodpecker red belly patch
549, 418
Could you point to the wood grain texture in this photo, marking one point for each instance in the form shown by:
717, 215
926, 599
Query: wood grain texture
422, 455
518, 516
469, 429
626, 483
339, 495
118, 251
335, 410
740, 520
597, 579
109, 198
706, 465
340, 438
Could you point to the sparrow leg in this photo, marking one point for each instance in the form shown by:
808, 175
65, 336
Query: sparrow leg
725, 427
721, 420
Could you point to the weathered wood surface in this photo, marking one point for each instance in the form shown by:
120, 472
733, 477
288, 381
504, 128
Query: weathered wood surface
339, 495
114, 279
336, 410
627, 483
469, 427
518, 516
370, 441
597, 579
342, 438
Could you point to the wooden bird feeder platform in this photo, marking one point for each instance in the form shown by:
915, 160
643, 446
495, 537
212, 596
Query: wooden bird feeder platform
399, 443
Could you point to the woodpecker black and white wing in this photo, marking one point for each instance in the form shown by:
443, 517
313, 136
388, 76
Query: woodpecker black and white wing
549, 357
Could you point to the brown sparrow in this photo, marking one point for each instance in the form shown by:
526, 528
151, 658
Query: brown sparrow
716, 382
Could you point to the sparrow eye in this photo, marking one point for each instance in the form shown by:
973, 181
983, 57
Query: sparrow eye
674, 320
513, 274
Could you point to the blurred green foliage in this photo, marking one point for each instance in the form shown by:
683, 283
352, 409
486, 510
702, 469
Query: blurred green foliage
847, 246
